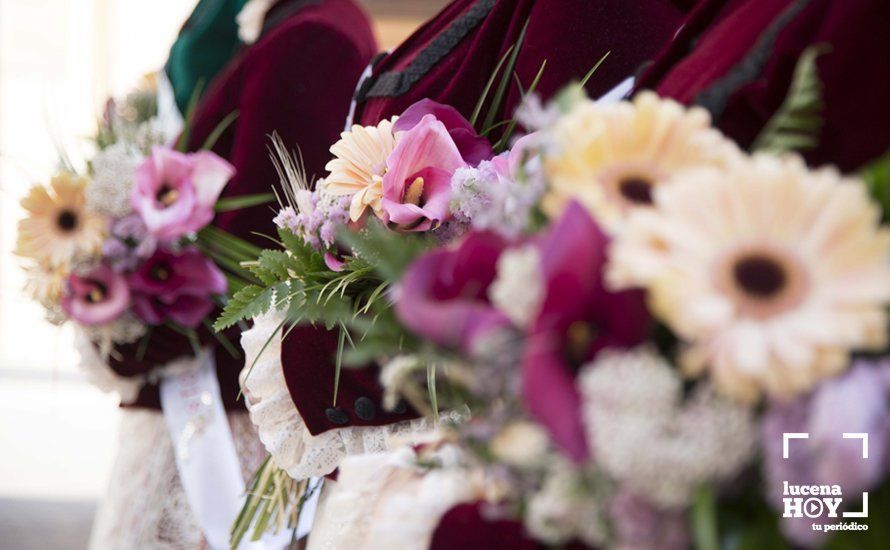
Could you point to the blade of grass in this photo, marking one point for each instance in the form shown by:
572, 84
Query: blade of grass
593, 69
244, 201
498, 98
479, 104
219, 130
182, 142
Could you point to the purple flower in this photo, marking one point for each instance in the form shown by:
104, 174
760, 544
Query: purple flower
444, 294
97, 298
500, 194
577, 319
856, 402
417, 184
473, 147
638, 524
175, 193
128, 243
176, 287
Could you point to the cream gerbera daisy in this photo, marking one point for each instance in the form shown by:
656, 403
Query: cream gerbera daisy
610, 157
359, 166
45, 284
58, 226
770, 273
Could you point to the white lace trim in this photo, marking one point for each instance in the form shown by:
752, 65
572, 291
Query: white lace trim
385, 501
99, 374
145, 506
281, 428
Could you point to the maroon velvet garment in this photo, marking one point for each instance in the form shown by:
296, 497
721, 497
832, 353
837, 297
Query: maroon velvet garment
465, 527
744, 56
450, 59
297, 80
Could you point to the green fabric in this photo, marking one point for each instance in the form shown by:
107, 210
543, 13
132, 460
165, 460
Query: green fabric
206, 43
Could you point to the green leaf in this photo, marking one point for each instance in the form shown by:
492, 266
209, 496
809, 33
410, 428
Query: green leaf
796, 125
218, 131
704, 520
244, 201
251, 301
876, 175
183, 141
481, 103
501, 91
593, 69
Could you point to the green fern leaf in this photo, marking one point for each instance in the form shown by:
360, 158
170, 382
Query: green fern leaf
248, 302
796, 125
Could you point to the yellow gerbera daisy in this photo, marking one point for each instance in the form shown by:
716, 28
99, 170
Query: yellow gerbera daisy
770, 273
611, 157
58, 226
359, 166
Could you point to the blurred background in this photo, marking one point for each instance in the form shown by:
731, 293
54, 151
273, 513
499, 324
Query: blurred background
59, 61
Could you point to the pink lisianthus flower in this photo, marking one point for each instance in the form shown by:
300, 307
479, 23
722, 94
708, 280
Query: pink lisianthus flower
175, 193
176, 287
97, 298
417, 184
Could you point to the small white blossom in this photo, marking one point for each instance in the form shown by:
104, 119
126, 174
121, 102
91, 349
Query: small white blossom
563, 510
518, 289
394, 376
646, 436
110, 190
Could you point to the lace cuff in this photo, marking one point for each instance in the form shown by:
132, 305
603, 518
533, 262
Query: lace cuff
280, 426
101, 375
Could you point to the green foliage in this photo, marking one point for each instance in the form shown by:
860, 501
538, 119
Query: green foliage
274, 502
877, 177
243, 201
250, 301
796, 124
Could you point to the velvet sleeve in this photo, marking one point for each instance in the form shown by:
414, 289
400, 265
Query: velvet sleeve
298, 84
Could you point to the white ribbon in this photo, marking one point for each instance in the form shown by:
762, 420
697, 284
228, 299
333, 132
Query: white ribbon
169, 118
619, 92
205, 452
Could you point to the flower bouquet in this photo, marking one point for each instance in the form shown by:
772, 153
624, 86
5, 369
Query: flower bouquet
125, 245
650, 336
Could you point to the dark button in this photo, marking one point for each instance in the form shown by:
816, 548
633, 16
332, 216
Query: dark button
365, 409
337, 416
401, 407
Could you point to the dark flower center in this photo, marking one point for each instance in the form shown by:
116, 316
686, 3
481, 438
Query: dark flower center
636, 190
160, 272
166, 195
67, 220
760, 276
579, 339
97, 293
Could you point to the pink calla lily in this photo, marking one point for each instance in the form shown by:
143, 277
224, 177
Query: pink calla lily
417, 184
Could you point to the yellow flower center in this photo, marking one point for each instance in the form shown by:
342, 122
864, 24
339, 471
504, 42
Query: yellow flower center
579, 337
414, 191
160, 273
167, 195
97, 294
